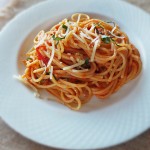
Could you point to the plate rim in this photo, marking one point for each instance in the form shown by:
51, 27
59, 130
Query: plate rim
14, 19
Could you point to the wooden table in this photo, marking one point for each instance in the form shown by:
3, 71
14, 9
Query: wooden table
10, 140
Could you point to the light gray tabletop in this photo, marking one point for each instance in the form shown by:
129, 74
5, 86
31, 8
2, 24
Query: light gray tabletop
9, 139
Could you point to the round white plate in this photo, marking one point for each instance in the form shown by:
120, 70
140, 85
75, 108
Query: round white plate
98, 124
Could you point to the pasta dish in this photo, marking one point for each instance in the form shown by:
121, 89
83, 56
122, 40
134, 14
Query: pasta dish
79, 58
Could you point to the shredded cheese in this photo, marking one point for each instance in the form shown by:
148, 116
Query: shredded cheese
47, 46
84, 41
94, 50
78, 38
85, 35
112, 33
78, 18
112, 46
93, 41
51, 73
84, 70
75, 65
72, 59
92, 28
41, 41
52, 54
89, 32
44, 69
114, 28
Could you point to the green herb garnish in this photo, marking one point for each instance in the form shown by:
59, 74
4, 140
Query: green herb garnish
64, 26
95, 28
111, 22
29, 58
99, 25
106, 39
118, 44
57, 39
115, 42
47, 73
86, 63
54, 77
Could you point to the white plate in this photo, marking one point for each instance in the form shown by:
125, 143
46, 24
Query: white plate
98, 124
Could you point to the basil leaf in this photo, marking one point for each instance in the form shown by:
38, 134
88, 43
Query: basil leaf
118, 44
65, 27
106, 39
86, 64
87, 61
57, 38
53, 36
29, 58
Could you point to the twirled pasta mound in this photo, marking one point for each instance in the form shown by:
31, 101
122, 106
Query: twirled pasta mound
79, 58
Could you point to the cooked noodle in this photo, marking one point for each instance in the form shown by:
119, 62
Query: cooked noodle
79, 58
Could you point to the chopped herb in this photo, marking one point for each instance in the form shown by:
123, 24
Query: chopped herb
86, 64
106, 39
65, 27
111, 22
55, 77
47, 73
95, 28
29, 58
68, 20
57, 39
99, 25
112, 39
118, 44
87, 61
115, 42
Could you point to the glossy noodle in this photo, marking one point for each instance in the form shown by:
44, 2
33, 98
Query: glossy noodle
79, 58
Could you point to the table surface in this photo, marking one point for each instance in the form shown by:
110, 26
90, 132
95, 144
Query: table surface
9, 139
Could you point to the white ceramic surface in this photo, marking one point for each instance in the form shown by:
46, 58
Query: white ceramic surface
98, 124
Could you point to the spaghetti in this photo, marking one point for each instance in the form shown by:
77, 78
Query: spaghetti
79, 58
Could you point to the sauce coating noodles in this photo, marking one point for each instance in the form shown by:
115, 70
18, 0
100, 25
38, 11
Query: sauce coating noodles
79, 58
